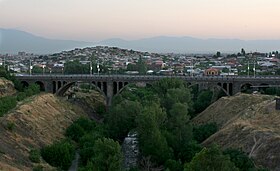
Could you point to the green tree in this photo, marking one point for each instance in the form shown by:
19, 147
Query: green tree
177, 95
151, 141
173, 165
131, 67
243, 52
75, 67
203, 101
6, 104
141, 66
218, 54
240, 159
179, 128
107, 155
59, 154
202, 132
75, 132
162, 86
37, 70
209, 159
121, 119
188, 151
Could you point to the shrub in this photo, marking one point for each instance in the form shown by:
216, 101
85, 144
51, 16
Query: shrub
6, 104
75, 132
240, 159
38, 168
59, 154
34, 156
202, 132
10, 126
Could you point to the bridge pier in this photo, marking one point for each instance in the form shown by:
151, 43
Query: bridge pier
110, 94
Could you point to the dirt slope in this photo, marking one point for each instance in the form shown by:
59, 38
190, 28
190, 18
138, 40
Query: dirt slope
6, 87
249, 122
37, 122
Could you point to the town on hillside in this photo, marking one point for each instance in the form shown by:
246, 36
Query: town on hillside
113, 60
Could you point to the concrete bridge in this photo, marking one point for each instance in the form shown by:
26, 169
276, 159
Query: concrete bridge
110, 85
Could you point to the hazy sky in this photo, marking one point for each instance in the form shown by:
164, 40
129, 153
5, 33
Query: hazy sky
94, 20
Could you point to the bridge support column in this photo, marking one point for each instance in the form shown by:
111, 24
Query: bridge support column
228, 89
236, 88
110, 94
49, 87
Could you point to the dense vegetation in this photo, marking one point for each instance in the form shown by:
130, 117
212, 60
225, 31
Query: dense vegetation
160, 115
10, 102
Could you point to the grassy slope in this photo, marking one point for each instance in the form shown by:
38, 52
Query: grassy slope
36, 122
249, 122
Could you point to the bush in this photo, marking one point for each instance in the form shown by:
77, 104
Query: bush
10, 126
38, 168
86, 124
202, 132
107, 155
75, 132
6, 104
173, 165
203, 101
59, 154
240, 159
21, 96
209, 159
189, 151
34, 156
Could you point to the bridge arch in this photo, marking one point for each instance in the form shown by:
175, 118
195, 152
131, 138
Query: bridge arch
61, 91
246, 88
24, 84
41, 85
263, 87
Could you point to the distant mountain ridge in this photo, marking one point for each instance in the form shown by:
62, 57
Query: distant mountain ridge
13, 41
166, 44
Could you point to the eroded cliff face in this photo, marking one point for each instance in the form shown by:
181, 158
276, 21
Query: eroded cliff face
249, 122
36, 122
6, 88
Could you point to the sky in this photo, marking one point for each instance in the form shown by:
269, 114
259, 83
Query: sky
95, 20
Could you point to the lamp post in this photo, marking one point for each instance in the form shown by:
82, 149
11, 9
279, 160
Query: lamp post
254, 69
43, 69
30, 67
98, 69
248, 69
90, 69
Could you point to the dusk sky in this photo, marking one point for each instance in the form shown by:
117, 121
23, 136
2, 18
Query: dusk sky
94, 20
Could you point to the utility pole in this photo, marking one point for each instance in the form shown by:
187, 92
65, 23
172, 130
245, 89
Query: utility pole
4, 61
248, 69
30, 67
43, 69
90, 68
254, 69
192, 68
98, 69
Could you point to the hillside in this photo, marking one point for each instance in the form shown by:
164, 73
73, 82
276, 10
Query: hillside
36, 122
6, 87
247, 122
